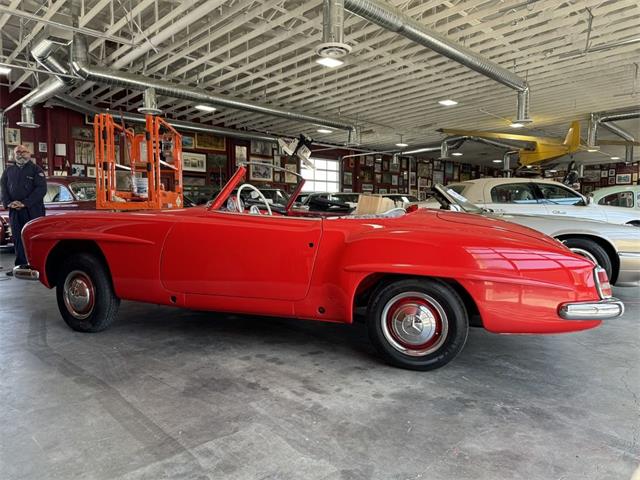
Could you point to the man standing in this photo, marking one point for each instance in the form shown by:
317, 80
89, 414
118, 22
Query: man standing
23, 189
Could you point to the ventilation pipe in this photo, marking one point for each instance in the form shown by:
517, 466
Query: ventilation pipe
393, 20
607, 119
42, 52
506, 162
333, 46
27, 117
82, 107
81, 67
149, 103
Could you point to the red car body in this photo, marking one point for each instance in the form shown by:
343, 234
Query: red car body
514, 278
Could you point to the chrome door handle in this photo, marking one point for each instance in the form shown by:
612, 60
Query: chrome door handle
558, 212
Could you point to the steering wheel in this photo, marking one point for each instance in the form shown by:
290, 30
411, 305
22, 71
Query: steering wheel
260, 194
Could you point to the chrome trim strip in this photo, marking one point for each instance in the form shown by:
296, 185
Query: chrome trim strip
597, 310
26, 272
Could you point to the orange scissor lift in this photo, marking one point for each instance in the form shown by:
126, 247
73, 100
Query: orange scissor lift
147, 190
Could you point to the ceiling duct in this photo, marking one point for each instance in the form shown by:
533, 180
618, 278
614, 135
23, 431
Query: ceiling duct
115, 78
333, 45
42, 52
606, 120
27, 117
149, 103
392, 19
83, 107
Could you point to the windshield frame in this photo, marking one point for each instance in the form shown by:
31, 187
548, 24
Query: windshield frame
442, 194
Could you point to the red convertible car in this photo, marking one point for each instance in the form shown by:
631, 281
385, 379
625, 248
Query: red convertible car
423, 277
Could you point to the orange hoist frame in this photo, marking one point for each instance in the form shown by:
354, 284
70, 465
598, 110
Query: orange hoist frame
143, 188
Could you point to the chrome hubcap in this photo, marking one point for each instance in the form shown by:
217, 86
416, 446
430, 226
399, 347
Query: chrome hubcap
79, 294
414, 323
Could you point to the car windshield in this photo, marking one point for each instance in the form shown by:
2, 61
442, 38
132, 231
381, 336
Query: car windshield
451, 196
83, 190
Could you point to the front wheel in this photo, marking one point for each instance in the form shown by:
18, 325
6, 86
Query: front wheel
85, 295
418, 324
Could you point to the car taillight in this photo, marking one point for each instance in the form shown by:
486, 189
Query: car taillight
602, 282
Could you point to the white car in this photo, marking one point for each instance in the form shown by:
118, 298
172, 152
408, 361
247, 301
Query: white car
534, 196
618, 196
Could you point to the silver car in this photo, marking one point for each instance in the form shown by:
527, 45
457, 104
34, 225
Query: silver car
616, 248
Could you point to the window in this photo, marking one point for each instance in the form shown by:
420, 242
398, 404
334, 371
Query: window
84, 191
325, 177
559, 195
57, 193
620, 199
459, 188
521, 193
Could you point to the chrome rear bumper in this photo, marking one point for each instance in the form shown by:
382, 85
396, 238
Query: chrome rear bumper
596, 310
26, 272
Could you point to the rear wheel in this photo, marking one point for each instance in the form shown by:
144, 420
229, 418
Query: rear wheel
418, 324
85, 294
592, 251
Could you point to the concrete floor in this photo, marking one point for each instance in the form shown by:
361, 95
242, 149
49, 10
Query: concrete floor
168, 393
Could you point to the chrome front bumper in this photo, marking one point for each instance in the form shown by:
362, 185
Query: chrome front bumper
596, 310
26, 272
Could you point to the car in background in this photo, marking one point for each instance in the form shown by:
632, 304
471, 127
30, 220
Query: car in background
346, 201
621, 196
534, 196
63, 194
616, 248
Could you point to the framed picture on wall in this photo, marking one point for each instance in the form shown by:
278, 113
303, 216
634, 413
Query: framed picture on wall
83, 133
42, 147
612, 180
604, 174
91, 172
368, 160
77, 170
260, 173
394, 179
261, 148
393, 190
386, 177
216, 160
209, 141
188, 142
288, 177
378, 168
194, 162
347, 178
382, 191
367, 187
612, 172
623, 178
12, 136
241, 154
378, 178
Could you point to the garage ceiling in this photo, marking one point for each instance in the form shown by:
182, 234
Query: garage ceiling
264, 51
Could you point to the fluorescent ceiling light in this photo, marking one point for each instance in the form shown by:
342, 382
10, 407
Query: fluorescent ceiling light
516, 125
447, 103
591, 150
4, 70
324, 130
457, 154
206, 108
402, 144
552, 171
496, 161
329, 62
615, 158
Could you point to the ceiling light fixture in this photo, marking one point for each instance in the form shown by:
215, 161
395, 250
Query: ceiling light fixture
4, 70
206, 108
516, 125
329, 62
447, 103
324, 130
592, 150
496, 161
615, 158
457, 154
401, 144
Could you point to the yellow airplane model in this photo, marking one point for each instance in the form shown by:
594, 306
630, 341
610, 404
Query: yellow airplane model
545, 148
